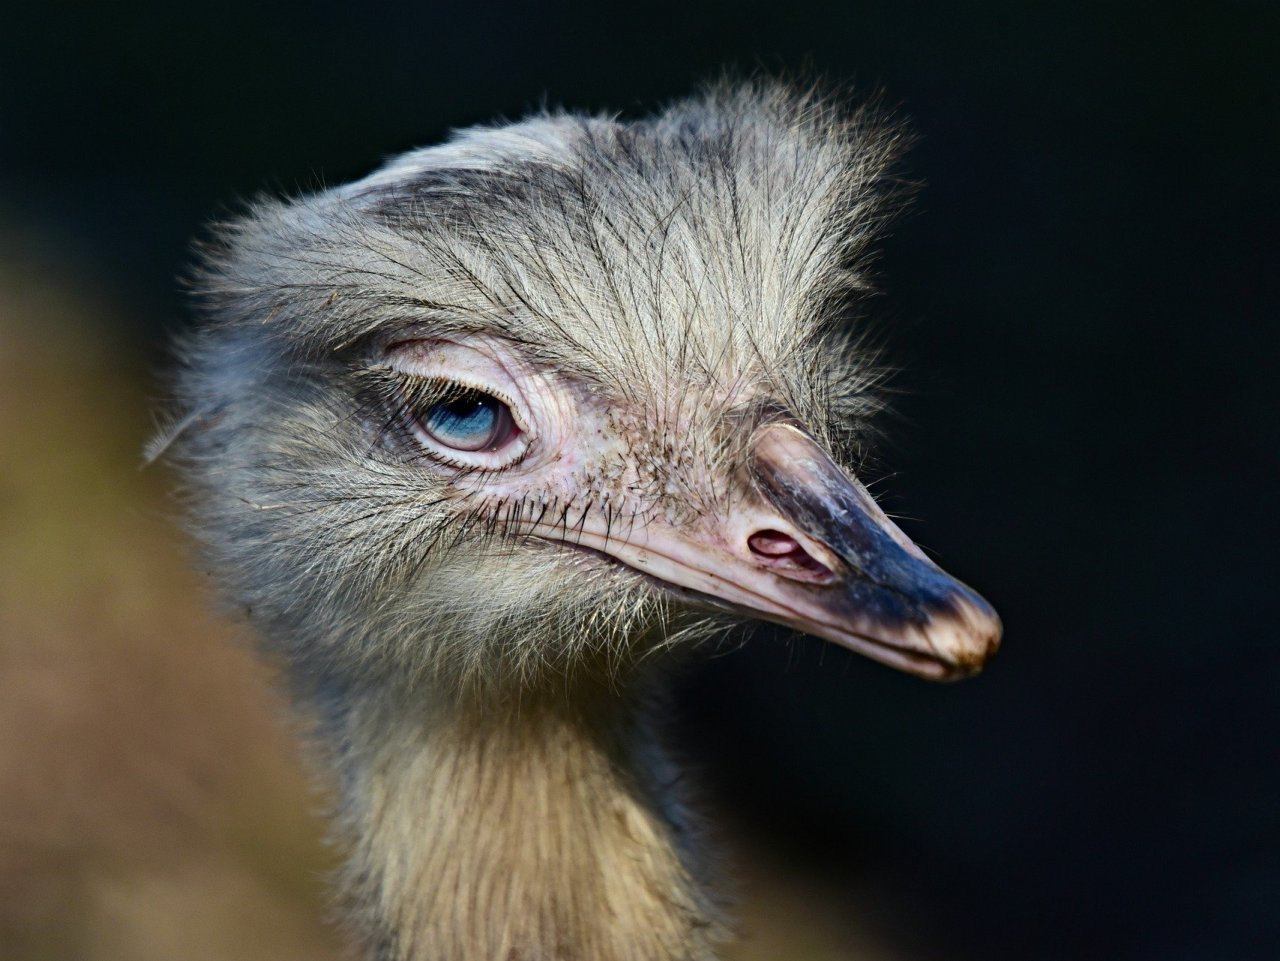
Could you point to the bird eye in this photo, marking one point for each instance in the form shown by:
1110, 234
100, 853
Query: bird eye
470, 420
459, 404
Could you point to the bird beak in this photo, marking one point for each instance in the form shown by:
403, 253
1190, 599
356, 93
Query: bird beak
807, 547
852, 576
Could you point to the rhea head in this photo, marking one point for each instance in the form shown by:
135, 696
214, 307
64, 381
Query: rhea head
556, 395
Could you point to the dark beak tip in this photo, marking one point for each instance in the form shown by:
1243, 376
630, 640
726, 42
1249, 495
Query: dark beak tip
968, 664
977, 637
972, 662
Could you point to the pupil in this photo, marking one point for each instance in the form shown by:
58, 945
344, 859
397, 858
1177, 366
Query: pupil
463, 407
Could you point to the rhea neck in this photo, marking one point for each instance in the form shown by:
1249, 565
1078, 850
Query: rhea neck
525, 825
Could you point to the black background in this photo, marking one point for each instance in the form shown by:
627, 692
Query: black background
1082, 297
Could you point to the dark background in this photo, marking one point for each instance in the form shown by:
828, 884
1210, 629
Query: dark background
1083, 298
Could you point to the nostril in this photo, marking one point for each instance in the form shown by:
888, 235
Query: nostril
782, 553
773, 543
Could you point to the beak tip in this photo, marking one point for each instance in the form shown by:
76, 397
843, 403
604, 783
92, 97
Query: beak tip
983, 646
976, 637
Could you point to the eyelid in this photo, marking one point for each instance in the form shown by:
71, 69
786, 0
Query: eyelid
468, 467
512, 398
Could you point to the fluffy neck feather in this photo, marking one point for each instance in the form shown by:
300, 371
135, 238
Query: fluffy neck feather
547, 830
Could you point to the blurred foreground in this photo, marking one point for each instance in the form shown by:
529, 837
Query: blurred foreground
152, 803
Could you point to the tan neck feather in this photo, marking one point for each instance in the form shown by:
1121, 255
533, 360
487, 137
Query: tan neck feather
517, 835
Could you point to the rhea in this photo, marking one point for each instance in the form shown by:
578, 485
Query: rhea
482, 442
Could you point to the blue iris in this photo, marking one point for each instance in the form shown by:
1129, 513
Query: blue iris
467, 421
